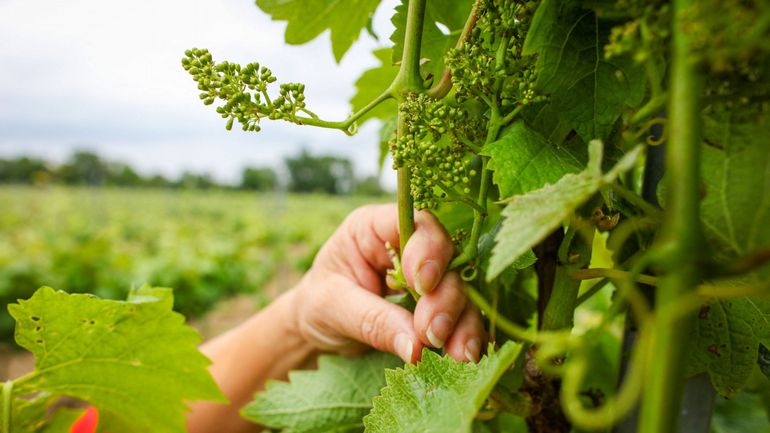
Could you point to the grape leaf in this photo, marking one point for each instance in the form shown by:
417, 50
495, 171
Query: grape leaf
522, 160
333, 398
529, 218
135, 360
587, 91
371, 84
306, 19
736, 168
725, 341
438, 394
435, 43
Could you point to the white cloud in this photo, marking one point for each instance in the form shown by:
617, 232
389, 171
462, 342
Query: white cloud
108, 73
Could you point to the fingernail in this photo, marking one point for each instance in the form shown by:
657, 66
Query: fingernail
439, 329
473, 349
404, 346
427, 277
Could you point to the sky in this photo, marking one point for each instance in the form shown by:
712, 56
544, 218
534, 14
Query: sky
106, 76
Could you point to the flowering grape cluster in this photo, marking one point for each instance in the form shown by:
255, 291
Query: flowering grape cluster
432, 141
490, 64
244, 91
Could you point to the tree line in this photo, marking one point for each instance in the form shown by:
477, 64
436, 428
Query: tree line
306, 173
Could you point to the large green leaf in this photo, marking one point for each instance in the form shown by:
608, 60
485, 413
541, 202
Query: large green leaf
587, 91
435, 43
135, 360
438, 394
524, 160
306, 19
736, 171
725, 341
371, 84
333, 398
529, 218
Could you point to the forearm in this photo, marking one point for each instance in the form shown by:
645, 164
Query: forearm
267, 346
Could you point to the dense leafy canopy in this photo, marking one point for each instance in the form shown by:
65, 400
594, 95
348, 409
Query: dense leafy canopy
587, 91
532, 216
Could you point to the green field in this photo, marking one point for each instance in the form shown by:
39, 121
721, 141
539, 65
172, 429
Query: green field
206, 245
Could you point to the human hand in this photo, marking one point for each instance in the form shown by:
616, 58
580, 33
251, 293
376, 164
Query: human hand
339, 305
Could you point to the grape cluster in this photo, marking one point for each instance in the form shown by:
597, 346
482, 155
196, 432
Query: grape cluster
431, 143
244, 91
491, 60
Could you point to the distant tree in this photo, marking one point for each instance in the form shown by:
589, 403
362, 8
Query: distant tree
119, 174
84, 168
158, 181
191, 180
324, 174
23, 170
258, 179
368, 186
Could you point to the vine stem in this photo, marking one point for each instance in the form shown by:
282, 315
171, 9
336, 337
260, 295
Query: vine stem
408, 80
516, 331
612, 274
444, 85
679, 247
7, 405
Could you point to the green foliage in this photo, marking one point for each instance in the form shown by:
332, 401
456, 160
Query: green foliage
736, 206
306, 19
447, 393
334, 398
371, 84
587, 91
135, 360
532, 216
523, 160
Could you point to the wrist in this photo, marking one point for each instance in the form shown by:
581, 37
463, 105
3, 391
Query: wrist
287, 321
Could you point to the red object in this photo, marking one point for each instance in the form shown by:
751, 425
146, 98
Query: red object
87, 422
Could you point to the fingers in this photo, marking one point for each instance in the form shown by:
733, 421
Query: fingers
468, 338
360, 315
427, 253
438, 311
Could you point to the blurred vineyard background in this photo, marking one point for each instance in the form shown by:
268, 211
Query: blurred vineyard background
226, 250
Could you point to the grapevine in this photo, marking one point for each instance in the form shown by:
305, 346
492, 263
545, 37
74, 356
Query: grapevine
537, 132
511, 79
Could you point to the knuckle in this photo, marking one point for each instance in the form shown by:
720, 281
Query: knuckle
372, 329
